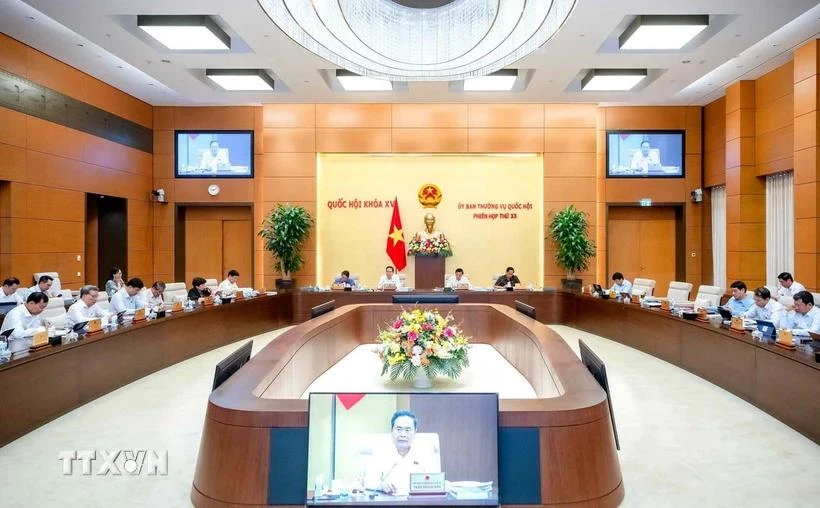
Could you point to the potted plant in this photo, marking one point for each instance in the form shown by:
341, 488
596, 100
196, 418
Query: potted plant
284, 230
569, 230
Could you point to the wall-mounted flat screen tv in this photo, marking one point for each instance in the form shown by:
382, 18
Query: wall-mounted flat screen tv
435, 449
214, 154
645, 154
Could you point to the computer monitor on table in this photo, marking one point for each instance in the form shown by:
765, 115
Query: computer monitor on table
725, 313
233, 362
597, 368
354, 437
767, 327
323, 308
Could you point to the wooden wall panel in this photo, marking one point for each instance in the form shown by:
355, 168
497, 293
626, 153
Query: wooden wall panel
219, 117
506, 140
353, 140
12, 127
232, 190
356, 116
13, 56
507, 116
774, 120
289, 115
431, 140
430, 116
289, 140
570, 115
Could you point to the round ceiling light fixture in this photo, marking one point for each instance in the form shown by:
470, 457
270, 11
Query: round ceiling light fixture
418, 40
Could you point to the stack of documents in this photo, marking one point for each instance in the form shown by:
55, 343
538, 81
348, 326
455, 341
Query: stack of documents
469, 490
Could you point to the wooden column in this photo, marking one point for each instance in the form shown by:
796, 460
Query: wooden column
806, 165
745, 192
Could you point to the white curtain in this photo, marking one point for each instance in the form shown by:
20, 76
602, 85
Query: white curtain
719, 236
779, 226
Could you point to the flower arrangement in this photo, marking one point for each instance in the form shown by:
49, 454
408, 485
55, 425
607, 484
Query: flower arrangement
422, 339
432, 247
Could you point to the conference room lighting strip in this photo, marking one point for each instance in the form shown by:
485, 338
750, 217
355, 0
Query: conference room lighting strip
612, 80
662, 32
241, 79
185, 32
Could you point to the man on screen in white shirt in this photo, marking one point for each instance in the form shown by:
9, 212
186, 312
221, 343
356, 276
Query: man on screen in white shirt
127, 299
389, 470
215, 159
25, 321
645, 159
85, 308
9, 292
390, 280
458, 281
788, 286
228, 287
764, 308
804, 318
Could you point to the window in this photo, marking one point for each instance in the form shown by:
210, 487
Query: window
779, 226
719, 236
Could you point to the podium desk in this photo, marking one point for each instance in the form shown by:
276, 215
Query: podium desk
40, 386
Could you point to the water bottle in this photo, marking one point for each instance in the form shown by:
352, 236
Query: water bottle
5, 354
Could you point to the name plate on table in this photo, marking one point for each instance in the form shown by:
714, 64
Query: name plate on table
389, 287
786, 339
427, 483
461, 287
39, 339
636, 298
208, 300
665, 305
337, 287
139, 315
177, 307
737, 324
95, 325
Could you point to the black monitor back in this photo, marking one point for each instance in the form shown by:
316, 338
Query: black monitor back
323, 308
598, 370
525, 309
411, 299
232, 363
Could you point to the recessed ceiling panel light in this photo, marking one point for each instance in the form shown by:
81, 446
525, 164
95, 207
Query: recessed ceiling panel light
241, 79
353, 82
617, 80
185, 32
500, 81
662, 32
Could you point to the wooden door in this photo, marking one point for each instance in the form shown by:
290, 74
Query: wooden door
218, 239
643, 244
236, 249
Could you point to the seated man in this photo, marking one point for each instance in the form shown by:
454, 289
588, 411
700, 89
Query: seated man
389, 471
804, 318
458, 281
621, 285
509, 279
199, 290
390, 280
43, 286
645, 159
788, 286
741, 301
25, 321
127, 299
228, 288
9, 292
85, 308
154, 298
215, 159
344, 279
765, 308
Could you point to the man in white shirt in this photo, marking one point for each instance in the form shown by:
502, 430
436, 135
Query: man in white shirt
153, 298
788, 286
390, 280
804, 318
25, 321
764, 308
458, 281
228, 288
85, 308
390, 469
43, 285
215, 159
127, 298
645, 159
621, 285
9, 291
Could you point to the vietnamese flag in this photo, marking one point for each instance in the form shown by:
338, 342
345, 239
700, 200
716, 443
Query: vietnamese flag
395, 240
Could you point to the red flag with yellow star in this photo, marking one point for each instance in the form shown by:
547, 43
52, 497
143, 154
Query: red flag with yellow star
395, 240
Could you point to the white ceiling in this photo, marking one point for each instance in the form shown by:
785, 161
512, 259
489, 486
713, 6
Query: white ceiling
748, 38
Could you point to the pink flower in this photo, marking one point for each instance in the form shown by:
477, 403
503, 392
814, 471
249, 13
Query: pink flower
448, 332
426, 327
397, 324
412, 335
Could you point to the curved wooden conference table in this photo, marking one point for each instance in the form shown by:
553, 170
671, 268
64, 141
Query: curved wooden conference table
50, 383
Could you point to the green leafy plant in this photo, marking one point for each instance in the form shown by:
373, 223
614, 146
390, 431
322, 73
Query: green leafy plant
569, 230
284, 230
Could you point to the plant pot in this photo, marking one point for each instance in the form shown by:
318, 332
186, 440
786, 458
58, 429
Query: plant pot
422, 380
572, 285
285, 284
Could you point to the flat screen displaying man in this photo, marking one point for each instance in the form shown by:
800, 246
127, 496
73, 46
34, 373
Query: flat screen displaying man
644, 154
214, 154
392, 448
